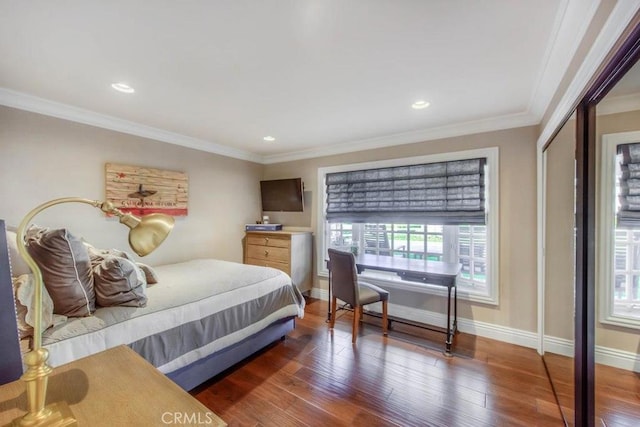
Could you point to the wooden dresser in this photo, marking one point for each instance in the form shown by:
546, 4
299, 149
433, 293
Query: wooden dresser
288, 251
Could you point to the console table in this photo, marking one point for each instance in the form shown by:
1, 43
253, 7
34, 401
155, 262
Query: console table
416, 270
116, 387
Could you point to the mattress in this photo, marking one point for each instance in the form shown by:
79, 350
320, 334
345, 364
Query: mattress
198, 308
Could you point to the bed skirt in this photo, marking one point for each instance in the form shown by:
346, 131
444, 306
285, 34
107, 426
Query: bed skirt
192, 375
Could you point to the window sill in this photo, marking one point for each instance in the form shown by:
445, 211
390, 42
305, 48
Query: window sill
392, 281
623, 322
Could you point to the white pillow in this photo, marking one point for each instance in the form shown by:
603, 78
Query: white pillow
24, 289
18, 264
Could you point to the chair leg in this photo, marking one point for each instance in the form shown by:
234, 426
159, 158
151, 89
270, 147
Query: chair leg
361, 313
334, 307
385, 323
356, 321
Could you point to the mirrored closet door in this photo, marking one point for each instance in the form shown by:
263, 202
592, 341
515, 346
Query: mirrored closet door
617, 297
559, 264
607, 328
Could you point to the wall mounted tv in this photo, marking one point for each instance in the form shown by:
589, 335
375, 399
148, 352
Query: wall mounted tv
282, 195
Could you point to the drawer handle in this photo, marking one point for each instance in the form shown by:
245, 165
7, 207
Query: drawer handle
266, 253
266, 240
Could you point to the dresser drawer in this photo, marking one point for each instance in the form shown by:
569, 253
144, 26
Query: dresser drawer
268, 253
287, 251
273, 241
284, 267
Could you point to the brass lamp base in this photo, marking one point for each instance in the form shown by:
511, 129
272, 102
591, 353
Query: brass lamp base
57, 415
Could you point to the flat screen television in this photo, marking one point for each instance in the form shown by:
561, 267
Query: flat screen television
282, 195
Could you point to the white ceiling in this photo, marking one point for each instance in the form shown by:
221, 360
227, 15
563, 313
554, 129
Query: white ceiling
321, 76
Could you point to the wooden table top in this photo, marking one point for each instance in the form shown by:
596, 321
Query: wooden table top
116, 387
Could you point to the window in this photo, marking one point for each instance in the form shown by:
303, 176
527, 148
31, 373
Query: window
466, 244
473, 245
619, 254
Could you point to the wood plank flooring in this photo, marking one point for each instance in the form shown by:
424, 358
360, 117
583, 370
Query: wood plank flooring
317, 378
617, 392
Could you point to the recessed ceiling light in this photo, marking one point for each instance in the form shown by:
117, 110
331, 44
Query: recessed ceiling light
269, 138
123, 87
419, 105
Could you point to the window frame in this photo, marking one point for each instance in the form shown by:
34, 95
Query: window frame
393, 282
607, 235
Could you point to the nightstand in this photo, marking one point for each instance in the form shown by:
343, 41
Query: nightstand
116, 387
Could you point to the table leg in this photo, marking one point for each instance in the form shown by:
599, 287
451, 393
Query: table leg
455, 308
329, 300
447, 351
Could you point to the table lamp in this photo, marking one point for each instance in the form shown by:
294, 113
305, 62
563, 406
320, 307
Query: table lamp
146, 234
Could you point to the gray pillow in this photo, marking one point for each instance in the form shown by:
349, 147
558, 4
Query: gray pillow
149, 273
98, 255
119, 281
66, 270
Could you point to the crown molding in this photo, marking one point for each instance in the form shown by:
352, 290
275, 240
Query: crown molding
46, 107
458, 129
571, 24
38, 105
622, 13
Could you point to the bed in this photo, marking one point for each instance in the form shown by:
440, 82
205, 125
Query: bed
202, 317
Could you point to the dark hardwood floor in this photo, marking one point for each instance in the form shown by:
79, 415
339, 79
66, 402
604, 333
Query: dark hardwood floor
317, 378
617, 392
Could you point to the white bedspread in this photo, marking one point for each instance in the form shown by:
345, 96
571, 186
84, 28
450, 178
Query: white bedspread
187, 293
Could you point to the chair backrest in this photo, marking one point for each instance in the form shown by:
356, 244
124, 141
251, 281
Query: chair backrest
344, 276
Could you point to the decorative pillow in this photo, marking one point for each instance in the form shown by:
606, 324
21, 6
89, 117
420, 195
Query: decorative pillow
66, 270
98, 255
149, 273
23, 288
18, 264
119, 281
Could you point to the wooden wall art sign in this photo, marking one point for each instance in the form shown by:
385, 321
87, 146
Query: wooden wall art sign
141, 190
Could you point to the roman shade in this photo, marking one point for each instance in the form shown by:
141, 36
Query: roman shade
451, 192
628, 214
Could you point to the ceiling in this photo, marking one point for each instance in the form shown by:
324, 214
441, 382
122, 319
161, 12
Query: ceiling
321, 77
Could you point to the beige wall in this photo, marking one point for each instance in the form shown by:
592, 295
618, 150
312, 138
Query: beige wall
517, 307
559, 244
42, 158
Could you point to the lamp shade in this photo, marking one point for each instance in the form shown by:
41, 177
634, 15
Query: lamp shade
150, 232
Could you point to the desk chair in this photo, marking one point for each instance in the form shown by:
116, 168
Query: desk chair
346, 286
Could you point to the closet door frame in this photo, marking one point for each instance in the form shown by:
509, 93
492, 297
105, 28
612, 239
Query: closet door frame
622, 58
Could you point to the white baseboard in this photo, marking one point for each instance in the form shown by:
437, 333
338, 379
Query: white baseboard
607, 356
469, 326
618, 358
621, 359
561, 346
474, 327
319, 294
